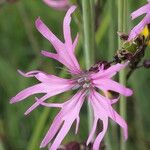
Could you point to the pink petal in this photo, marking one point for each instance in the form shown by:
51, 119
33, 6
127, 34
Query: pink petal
113, 101
108, 84
114, 116
110, 72
104, 103
72, 106
51, 85
62, 133
103, 114
66, 26
138, 28
38, 88
45, 78
52, 131
48, 104
61, 60
44, 30
119, 120
75, 42
91, 136
65, 51
67, 36
141, 11
99, 113
77, 124
60, 4
54, 90
99, 138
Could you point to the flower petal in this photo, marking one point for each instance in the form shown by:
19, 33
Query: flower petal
99, 138
103, 114
66, 26
45, 78
75, 42
60, 4
110, 72
72, 106
99, 113
50, 93
140, 11
38, 88
77, 124
48, 104
91, 136
110, 112
119, 120
60, 59
65, 51
138, 28
51, 85
108, 84
53, 130
67, 36
44, 30
62, 133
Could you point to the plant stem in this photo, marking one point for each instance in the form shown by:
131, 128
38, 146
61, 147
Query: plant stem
122, 26
111, 143
92, 37
89, 41
111, 30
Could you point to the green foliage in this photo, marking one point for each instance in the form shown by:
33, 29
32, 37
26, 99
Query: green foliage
20, 45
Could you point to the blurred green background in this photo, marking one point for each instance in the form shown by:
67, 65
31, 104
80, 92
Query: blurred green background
20, 46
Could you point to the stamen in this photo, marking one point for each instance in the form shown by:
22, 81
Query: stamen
87, 92
86, 85
81, 80
77, 86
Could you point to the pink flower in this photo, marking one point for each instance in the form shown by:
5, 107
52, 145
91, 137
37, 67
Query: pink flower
146, 20
87, 83
57, 4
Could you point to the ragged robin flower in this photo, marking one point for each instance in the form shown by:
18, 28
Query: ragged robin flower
145, 21
57, 4
87, 83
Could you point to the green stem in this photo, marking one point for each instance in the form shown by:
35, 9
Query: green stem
111, 143
92, 24
111, 30
122, 26
89, 41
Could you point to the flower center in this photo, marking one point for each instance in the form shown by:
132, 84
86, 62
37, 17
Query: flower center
82, 81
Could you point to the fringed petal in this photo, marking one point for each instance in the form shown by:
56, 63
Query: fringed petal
44, 30
139, 27
99, 138
38, 88
45, 78
99, 113
52, 92
103, 114
65, 51
110, 72
108, 84
64, 120
75, 42
143, 10
120, 121
91, 136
